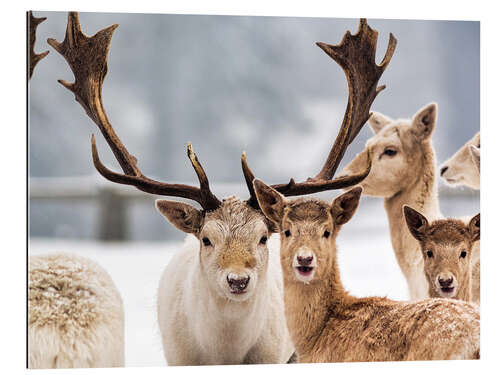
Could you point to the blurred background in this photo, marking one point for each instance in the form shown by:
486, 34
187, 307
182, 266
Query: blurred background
227, 84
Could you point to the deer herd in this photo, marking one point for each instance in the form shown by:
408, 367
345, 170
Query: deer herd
236, 294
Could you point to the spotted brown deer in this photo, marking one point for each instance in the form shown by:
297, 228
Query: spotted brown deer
447, 247
220, 299
326, 323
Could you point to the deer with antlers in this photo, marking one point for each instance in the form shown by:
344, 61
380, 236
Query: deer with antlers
220, 299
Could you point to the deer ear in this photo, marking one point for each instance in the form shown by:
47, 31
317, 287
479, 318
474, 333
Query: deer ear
344, 206
181, 215
476, 156
424, 121
474, 228
377, 121
416, 222
271, 202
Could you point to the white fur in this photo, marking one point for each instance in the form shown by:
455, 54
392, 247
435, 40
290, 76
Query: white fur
463, 167
75, 314
200, 326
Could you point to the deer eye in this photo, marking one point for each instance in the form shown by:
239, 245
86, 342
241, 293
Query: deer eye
263, 240
390, 152
288, 233
326, 234
206, 241
463, 254
429, 253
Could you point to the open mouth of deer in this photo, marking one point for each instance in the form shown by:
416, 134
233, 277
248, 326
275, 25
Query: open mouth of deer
305, 270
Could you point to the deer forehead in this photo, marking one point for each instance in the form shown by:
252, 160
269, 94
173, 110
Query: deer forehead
308, 212
234, 217
390, 135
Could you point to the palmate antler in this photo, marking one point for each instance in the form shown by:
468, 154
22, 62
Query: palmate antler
34, 58
87, 58
356, 55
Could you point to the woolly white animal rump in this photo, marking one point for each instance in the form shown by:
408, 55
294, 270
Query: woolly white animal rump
75, 314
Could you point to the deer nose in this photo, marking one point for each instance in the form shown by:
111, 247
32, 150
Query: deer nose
304, 261
445, 283
443, 170
237, 283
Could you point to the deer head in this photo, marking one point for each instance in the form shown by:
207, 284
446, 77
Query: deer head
398, 151
232, 233
308, 230
463, 167
447, 249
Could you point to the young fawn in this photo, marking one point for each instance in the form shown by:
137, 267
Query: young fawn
447, 247
329, 325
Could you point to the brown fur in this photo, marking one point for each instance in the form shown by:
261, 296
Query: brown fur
329, 325
446, 239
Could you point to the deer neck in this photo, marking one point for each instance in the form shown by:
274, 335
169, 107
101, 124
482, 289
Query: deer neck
422, 195
308, 307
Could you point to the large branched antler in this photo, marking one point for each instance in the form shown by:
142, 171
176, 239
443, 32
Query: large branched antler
356, 55
87, 58
34, 58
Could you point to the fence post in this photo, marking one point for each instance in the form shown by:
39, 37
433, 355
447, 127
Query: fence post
112, 215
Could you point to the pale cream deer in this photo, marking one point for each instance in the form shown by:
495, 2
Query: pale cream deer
329, 325
447, 247
463, 167
403, 172
220, 299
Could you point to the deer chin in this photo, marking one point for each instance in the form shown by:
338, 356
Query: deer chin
453, 181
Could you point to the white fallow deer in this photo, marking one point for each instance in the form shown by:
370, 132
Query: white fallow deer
75, 314
326, 323
220, 299
463, 167
447, 247
403, 172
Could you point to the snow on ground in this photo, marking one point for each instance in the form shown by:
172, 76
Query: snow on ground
367, 265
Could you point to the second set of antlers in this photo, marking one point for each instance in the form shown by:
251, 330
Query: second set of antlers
87, 58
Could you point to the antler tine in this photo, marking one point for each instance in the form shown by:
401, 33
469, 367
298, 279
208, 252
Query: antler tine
87, 58
34, 58
356, 56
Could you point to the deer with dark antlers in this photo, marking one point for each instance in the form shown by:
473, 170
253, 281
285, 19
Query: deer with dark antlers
220, 299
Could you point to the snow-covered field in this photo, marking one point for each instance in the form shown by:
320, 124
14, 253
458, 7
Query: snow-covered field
368, 267
136, 268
